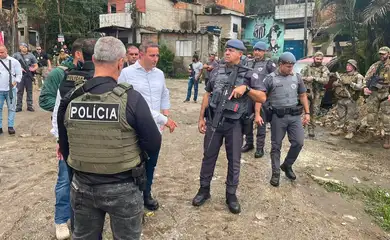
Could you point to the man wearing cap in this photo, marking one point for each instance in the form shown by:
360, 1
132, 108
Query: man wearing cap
29, 64
378, 102
283, 88
315, 76
225, 102
44, 65
347, 90
261, 68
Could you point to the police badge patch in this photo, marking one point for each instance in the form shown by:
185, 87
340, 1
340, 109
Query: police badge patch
96, 112
293, 86
260, 69
255, 76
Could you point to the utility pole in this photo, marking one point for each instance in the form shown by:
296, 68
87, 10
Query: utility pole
305, 32
59, 17
15, 28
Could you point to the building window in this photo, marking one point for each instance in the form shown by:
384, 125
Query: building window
128, 7
113, 8
183, 48
235, 28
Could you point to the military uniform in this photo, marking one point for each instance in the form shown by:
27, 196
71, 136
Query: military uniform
261, 68
315, 90
104, 128
378, 105
282, 94
230, 129
348, 90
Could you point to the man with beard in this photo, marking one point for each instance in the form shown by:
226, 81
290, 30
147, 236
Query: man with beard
261, 67
315, 76
378, 103
29, 64
347, 91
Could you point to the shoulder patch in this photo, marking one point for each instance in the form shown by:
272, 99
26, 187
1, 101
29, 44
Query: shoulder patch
94, 112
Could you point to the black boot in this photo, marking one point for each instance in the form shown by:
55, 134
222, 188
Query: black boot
233, 204
247, 148
201, 197
30, 109
288, 171
11, 131
275, 178
150, 203
1, 130
259, 153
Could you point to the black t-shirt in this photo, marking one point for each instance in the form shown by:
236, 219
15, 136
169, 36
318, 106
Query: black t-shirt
42, 59
138, 116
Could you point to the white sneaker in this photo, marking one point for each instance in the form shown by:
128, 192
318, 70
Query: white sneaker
62, 231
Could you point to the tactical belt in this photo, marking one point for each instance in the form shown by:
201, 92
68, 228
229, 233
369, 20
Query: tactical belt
281, 112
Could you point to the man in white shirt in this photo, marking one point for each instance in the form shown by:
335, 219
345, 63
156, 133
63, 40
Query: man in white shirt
196, 72
150, 82
10, 74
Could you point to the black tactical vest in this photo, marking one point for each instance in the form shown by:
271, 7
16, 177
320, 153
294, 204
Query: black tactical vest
74, 78
238, 106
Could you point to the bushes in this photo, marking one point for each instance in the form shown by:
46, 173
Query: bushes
165, 62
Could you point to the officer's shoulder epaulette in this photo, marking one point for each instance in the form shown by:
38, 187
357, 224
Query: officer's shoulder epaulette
122, 88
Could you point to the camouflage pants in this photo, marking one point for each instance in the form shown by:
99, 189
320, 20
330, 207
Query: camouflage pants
41, 75
314, 107
378, 108
347, 114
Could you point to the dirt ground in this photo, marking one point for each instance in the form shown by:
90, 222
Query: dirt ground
300, 210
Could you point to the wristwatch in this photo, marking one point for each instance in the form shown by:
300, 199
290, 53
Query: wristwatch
307, 113
247, 89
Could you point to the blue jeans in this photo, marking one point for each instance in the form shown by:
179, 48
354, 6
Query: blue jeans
192, 82
4, 96
150, 166
62, 190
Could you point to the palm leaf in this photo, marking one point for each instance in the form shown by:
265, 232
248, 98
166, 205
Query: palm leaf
376, 9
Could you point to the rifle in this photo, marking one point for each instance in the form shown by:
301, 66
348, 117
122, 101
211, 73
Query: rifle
222, 100
375, 82
343, 87
25, 68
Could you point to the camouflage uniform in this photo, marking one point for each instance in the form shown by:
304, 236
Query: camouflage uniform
347, 91
315, 89
378, 106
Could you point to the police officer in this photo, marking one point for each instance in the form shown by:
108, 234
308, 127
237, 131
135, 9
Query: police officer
104, 128
84, 70
227, 111
283, 88
261, 67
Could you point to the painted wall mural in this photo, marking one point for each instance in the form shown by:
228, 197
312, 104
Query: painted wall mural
266, 29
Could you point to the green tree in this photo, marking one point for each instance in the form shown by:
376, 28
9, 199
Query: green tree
165, 63
254, 7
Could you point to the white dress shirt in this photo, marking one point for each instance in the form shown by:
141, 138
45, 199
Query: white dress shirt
16, 72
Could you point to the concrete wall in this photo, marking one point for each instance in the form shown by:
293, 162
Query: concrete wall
223, 21
164, 14
202, 44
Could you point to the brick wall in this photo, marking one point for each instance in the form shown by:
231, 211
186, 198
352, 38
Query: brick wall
235, 5
120, 5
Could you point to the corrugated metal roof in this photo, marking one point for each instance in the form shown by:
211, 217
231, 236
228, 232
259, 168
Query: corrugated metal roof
186, 31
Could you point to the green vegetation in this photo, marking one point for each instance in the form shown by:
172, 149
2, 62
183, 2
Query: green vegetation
165, 63
377, 200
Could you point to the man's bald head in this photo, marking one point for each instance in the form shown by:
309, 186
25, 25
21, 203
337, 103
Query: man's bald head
3, 52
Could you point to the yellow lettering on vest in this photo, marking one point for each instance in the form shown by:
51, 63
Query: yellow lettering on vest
75, 78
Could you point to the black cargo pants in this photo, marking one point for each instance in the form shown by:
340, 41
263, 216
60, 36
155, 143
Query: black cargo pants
231, 131
292, 125
260, 135
25, 83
